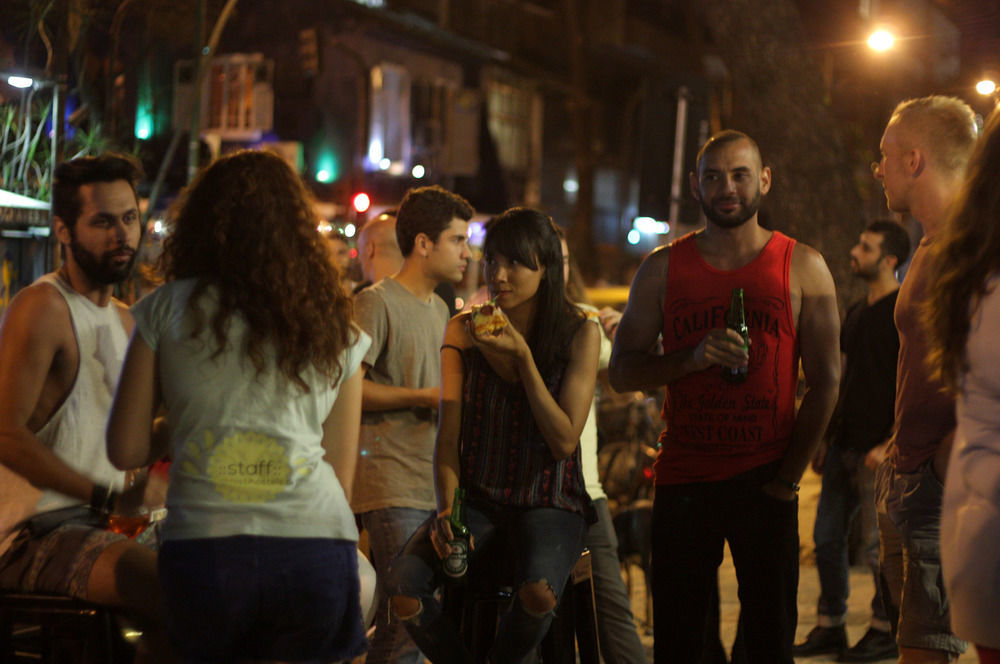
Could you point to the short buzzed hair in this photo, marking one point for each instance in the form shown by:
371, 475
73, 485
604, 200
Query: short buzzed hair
895, 239
944, 126
725, 137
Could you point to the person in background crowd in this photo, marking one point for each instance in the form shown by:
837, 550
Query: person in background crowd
340, 256
259, 372
732, 453
925, 148
378, 250
513, 406
855, 445
62, 342
394, 492
963, 321
617, 635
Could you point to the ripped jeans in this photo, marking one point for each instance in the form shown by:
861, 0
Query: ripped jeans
547, 543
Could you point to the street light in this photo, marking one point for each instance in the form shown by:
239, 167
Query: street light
20, 81
881, 40
986, 87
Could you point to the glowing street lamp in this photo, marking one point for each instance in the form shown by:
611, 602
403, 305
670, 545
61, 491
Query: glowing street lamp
986, 87
20, 81
881, 40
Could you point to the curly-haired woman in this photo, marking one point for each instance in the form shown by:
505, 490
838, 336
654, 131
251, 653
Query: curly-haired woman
250, 348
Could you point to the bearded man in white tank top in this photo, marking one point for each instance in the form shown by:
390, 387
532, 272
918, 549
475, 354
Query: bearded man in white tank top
62, 343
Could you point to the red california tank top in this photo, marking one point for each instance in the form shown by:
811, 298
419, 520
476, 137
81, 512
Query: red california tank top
715, 429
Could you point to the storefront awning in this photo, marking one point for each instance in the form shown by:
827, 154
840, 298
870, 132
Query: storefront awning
19, 211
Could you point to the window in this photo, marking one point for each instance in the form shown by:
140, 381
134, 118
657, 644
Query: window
389, 141
510, 119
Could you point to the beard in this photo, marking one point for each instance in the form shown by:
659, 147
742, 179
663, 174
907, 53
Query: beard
100, 269
734, 219
869, 273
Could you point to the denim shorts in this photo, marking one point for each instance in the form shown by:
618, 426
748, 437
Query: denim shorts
908, 506
248, 597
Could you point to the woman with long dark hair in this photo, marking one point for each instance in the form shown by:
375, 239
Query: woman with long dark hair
250, 347
513, 405
963, 318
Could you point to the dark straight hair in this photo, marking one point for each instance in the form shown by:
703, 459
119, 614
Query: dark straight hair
529, 237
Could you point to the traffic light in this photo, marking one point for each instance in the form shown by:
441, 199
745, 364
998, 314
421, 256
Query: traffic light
360, 202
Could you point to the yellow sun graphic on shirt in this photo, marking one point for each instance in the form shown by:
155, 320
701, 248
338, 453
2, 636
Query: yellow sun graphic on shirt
247, 467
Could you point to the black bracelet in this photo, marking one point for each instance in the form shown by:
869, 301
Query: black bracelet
787, 483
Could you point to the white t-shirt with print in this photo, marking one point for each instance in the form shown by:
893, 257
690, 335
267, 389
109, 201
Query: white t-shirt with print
246, 448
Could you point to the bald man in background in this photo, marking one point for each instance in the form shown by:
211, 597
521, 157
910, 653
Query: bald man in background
378, 250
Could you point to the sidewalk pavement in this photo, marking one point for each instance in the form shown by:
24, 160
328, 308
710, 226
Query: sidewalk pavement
858, 605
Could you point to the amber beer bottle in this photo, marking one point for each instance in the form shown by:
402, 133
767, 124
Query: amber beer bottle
457, 561
736, 320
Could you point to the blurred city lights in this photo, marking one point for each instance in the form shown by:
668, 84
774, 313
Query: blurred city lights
20, 81
327, 165
361, 202
986, 87
375, 152
633, 236
477, 233
650, 226
571, 186
881, 40
418, 171
350, 230
384, 163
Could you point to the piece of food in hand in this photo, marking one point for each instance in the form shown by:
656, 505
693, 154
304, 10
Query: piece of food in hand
488, 320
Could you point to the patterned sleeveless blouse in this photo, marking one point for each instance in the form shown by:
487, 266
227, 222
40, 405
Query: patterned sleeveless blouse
503, 455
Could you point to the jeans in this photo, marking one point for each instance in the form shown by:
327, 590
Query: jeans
847, 493
909, 526
691, 523
544, 542
619, 639
388, 531
250, 597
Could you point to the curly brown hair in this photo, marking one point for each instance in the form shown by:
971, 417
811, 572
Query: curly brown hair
965, 256
246, 227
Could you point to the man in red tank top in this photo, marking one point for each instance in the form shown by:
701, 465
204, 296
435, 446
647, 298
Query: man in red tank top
732, 453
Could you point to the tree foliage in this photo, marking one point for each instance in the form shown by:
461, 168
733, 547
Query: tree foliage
778, 99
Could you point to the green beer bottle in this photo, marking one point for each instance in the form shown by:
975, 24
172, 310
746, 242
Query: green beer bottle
457, 561
736, 320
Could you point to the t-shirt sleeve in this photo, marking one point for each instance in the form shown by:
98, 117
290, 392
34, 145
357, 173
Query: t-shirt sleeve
150, 313
354, 354
372, 317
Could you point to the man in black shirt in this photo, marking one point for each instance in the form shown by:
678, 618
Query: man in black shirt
854, 446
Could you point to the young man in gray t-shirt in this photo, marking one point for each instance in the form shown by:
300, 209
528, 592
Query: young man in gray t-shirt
394, 484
